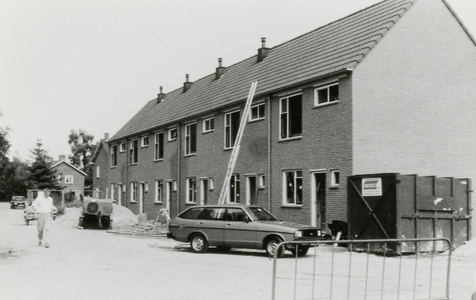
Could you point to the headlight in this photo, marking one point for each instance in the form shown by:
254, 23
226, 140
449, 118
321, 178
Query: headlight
298, 234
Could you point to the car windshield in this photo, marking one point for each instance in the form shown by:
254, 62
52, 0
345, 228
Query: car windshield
262, 215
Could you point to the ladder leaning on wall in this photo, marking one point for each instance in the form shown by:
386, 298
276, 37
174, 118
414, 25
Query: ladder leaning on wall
236, 147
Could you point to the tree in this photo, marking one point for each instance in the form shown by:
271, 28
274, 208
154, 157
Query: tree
41, 176
82, 147
5, 192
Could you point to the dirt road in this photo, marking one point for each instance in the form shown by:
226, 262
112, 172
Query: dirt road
93, 264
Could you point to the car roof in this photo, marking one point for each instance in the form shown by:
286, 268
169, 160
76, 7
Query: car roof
225, 205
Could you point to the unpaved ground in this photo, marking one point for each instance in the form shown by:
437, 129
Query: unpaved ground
94, 264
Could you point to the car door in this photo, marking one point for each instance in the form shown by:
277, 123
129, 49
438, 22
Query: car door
211, 222
240, 231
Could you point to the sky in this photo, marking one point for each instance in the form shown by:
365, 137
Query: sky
93, 64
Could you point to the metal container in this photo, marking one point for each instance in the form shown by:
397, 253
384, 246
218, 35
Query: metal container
395, 206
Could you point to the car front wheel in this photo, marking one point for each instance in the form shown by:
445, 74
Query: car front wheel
199, 243
272, 245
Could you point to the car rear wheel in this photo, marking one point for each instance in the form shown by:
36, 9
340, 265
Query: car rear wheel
301, 250
272, 245
199, 243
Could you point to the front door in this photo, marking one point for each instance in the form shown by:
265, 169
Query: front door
203, 191
119, 194
319, 199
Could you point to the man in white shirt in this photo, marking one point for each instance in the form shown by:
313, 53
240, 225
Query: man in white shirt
44, 209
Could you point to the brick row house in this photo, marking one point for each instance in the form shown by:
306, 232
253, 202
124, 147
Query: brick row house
390, 88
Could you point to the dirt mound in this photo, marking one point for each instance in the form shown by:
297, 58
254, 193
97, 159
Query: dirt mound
122, 216
468, 250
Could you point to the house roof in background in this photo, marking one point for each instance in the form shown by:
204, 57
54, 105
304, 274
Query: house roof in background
67, 163
331, 49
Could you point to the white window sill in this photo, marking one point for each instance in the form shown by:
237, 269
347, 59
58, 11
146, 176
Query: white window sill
326, 104
291, 206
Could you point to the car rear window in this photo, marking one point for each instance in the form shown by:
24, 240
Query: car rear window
191, 213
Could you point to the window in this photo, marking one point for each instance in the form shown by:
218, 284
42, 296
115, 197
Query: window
122, 147
291, 116
159, 146
257, 112
98, 171
159, 191
133, 152
191, 190
292, 189
172, 134
262, 181
327, 94
114, 156
201, 213
144, 141
68, 179
232, 124
133, 191
208, 125
191, 139
234, 195
211, 186
335, 178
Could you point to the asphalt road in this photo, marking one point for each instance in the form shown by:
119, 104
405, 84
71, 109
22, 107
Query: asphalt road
94, 264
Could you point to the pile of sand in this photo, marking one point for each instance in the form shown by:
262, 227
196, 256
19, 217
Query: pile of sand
122, 216
468, 250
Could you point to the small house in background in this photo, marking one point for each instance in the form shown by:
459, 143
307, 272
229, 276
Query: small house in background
69, 177
100, 160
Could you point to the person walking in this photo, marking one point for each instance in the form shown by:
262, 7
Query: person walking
44, 209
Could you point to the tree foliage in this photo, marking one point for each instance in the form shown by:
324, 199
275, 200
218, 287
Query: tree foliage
5, 167
82, 149
41, 176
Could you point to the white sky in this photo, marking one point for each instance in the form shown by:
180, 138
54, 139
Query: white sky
92, 64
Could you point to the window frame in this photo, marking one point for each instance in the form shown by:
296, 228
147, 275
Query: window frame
134, 190
144, 141
170, 136
234, 189
211, 121
68, 179
258, 118
190, 139
297, 193
191, 197
229, 140
134, 151
261, 181
159, 191
159, 154
98, 171
326, 87
122, 147
335, 178
113, 156
288, 118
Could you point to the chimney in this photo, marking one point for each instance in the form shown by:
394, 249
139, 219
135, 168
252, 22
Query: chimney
160, 96
106, 136
263, 51
186, 85
220, 70
62, 157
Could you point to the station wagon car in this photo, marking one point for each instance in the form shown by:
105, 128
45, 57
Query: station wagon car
239, 226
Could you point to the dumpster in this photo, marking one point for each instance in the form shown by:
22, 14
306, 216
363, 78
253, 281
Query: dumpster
395, 206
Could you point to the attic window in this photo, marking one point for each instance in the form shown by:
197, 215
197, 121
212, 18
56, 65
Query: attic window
172, 134
327, 94
68, 179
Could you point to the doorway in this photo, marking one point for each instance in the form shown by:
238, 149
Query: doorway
119, 194
204, 191
251, 191
141, 197
168, 195
318, 187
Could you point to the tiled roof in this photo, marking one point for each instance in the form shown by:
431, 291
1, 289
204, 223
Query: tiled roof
333, 48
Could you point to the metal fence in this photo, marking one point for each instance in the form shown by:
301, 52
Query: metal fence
365, 269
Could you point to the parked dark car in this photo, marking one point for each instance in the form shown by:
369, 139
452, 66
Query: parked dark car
97, 213
17, 201
239, 226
